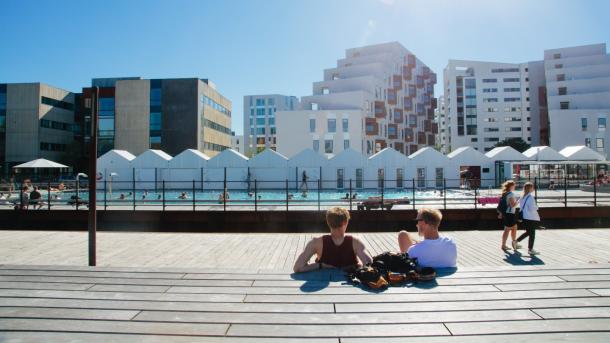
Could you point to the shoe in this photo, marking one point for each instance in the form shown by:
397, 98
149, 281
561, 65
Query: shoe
533, 252
505, 248
515, 245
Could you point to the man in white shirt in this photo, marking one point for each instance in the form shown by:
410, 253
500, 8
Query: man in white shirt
434, 250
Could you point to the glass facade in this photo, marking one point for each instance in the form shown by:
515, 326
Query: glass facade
105, 129
156, 116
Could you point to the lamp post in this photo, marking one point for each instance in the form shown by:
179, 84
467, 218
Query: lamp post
92, 220
110, 183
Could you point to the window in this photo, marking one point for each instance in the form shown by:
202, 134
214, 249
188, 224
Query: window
505, 70
332, 125
490, 90
511, 79
492, 139
421, 177
316, 145
490, 99
260, 112
340, 173
492, 109
314, 106
583, 124
562, 90
380, 177
564, 105
270, 102
489, 80
601, 123
57, 103
558, 66
260, 121
512, 99
328, 146
491, 129
556, 56
588, 142
517, 89
399, 177
260, 102
312, 125
345, 125
561, 77
346, 144
440, 176
359, 178
599, 144
260, 130
271, 121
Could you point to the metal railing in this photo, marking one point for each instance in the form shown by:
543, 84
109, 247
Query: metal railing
285, 195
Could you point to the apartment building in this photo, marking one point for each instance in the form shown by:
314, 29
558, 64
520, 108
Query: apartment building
383, 90
260, 130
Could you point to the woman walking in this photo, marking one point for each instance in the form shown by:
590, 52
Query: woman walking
531, 218
508, 216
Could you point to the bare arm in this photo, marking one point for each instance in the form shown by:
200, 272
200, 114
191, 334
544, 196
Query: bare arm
302, 263
361, 252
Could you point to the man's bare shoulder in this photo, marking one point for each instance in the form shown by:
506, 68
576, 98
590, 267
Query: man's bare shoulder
356, 242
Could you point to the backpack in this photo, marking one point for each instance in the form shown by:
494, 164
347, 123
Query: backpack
393, 268
502, 206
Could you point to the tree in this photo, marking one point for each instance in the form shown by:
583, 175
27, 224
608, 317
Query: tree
516, 143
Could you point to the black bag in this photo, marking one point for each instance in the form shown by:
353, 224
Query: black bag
395, 262
502, 207
369, 276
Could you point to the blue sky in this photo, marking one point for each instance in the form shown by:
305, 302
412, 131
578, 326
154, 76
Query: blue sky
257, 47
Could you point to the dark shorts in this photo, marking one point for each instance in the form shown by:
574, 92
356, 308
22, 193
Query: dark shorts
509, 219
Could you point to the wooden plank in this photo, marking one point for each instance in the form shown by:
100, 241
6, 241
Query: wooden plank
578, 312
98, 326
377, 298
128, 288
62, 337
531, 326
604, 292
572, 278
554, 285
91, 274
129, 281
65, 313
576, 337
45, 285
441, 306
120, 296
329, 290
167, 306
331, 318
321, 330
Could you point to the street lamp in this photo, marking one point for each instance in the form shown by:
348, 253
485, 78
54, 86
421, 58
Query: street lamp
110, 184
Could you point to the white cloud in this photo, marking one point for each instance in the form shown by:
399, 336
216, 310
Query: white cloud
370, 28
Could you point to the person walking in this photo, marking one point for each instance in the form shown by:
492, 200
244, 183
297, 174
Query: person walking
508, 214
531, 218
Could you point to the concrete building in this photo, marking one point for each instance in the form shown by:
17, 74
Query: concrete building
578, 96
259, 120
168, 114
36, 121
237, 143
486, 102
383, 86
443, 139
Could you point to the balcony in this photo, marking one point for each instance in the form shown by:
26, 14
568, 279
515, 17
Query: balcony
406, 73
421, 138
380, 111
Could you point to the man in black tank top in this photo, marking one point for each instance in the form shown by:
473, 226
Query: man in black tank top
336, 250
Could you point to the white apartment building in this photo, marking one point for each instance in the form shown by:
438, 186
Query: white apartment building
327, 132
578, 96
260, 130
440, 117
237, 143
385, 85
486, 102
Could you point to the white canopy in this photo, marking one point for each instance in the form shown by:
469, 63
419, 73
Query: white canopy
307, 158
228, 158
581, 153
388, 157
189, 158
505, 153
269, 158
543, 153
39, 164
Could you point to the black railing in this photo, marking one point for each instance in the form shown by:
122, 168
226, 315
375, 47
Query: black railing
227, 195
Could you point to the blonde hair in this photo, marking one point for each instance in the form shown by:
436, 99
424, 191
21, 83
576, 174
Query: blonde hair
336, 217
430, 216
507, 185
528, 188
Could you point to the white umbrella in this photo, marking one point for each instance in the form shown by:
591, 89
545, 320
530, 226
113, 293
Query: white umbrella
40, 163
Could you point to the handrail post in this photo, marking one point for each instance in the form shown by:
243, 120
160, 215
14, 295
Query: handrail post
350, 194
382, 191
193, 195
105, 201
224, 191
286, 195
133, 189
444, 193
595, 191
255, 196
413, 188
565, 190
77, 199
536, 187
49, 195
475, 198
319, 185
163, 194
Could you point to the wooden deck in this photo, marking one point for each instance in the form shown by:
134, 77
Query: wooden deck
216, 288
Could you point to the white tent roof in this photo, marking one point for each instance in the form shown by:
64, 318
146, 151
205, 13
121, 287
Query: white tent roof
348, 157
505, 153
40, 163
119, 158
269, 158
151, 158
189, 158
228, 158
428, 154
467, 152
307, 158
581, 153
543, 153
388, 157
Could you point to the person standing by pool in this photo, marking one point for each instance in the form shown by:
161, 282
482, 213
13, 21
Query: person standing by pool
336, 250
304, 182
509, 217
531, 218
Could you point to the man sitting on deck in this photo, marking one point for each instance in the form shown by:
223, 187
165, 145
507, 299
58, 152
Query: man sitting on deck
336, 250
434, 251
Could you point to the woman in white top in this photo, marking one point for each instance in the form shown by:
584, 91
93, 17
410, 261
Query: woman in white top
531, 218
